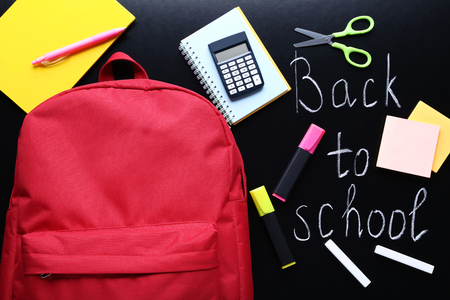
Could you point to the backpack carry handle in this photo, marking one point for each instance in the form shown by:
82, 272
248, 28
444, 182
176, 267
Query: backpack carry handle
107, 74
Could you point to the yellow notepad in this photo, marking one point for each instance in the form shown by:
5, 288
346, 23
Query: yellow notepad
426, 114
32, 28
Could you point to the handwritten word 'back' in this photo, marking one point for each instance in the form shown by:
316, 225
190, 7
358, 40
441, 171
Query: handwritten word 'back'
307, 77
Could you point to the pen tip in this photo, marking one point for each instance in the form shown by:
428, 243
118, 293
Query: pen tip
36, 61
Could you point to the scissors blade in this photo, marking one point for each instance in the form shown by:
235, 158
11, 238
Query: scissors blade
318, 38
313, 42
309, 33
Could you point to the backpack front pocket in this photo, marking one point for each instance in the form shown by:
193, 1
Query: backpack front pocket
123, 263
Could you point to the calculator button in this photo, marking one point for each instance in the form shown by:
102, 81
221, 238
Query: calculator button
240, 75
257, 80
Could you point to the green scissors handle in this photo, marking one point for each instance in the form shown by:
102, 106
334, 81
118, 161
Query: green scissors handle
349, 29
349, 50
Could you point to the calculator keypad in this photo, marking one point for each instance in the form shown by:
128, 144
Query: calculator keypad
240, 75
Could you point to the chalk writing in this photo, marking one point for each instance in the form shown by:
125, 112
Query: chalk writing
403, 224
341, 151
351, 209
366, 165
365, 94
351, 193
307, 77
346, 98
306, 226
413, 213
389, 83
376, 211
351, 214
320, 221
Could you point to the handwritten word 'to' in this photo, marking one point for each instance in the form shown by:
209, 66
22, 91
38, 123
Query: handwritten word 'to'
341, 151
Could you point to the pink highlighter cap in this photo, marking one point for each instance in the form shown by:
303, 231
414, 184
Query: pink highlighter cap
312, 138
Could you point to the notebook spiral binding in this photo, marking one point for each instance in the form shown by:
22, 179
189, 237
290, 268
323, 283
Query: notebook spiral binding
202, 75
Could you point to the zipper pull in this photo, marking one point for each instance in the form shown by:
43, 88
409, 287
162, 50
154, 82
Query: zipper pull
44, 276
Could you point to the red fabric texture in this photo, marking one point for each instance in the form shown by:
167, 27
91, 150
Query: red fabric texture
131, 189
130, 250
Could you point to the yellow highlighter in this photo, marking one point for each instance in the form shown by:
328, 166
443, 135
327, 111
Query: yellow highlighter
267, 213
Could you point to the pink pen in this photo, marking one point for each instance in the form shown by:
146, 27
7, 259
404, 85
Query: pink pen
90, 41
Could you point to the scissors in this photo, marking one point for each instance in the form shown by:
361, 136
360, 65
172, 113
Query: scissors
319, 39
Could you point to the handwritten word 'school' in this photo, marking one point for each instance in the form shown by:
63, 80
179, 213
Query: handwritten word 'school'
307, 77
350, 209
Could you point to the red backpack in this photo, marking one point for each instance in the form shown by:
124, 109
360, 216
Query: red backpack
127, 189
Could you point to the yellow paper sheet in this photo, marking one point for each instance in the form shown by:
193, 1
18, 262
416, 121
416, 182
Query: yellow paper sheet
32, 28
426, 114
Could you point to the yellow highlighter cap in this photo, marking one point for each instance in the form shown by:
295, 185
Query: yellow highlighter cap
262, 201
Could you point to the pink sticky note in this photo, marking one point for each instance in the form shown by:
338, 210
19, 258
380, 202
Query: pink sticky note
408, 146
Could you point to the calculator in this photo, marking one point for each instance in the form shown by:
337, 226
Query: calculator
237, 65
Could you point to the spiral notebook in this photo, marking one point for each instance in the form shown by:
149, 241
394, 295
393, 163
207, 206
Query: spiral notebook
196, 52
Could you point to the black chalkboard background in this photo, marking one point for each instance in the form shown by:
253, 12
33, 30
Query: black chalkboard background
410, 39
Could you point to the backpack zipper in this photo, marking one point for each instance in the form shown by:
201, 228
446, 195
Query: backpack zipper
75, 276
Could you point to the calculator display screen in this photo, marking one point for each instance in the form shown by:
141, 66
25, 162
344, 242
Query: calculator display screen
231, 52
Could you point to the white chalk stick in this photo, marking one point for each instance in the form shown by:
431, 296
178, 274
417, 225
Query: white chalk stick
404, 259
347, 263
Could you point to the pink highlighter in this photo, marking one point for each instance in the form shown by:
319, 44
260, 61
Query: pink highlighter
304, 151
